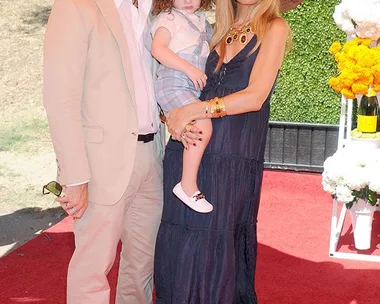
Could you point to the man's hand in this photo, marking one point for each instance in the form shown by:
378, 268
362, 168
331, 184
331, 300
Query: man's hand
75, 201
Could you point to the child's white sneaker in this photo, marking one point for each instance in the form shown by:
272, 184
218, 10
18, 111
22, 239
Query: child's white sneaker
197, 202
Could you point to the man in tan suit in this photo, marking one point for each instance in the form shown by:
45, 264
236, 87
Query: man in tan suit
105, 129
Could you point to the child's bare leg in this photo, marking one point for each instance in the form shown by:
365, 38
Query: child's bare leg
192, 158
187, 190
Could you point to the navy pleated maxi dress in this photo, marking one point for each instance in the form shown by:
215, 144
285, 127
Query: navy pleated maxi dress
211, 258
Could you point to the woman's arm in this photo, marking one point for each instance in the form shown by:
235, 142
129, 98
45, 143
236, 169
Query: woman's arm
263, 75
168, 58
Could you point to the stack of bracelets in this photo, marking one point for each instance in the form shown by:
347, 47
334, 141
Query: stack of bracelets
215, 108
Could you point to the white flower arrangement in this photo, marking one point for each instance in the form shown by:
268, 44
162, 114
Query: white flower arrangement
360, 18
352, 174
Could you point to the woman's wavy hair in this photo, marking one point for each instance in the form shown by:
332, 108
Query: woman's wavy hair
167, 5
261, 15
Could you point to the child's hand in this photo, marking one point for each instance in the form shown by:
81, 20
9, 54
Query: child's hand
197, 77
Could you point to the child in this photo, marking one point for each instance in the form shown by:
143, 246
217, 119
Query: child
180, 43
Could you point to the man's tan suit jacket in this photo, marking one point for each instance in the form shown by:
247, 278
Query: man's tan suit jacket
89, 97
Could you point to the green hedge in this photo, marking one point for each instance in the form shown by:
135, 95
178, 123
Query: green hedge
302, 93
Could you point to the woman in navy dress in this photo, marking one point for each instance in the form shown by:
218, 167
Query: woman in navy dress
211, 258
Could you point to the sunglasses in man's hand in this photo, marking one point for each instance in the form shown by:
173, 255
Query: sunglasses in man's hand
52, 187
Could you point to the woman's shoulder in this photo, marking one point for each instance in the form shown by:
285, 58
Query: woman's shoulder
277, 35
279, 26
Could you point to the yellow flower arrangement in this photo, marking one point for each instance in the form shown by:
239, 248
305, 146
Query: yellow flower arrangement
358, 67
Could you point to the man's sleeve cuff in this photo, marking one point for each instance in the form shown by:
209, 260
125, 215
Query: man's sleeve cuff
77, 184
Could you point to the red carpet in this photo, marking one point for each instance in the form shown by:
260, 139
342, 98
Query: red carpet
293, 263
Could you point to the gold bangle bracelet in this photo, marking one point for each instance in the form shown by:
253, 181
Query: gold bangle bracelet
217, 107
207, 109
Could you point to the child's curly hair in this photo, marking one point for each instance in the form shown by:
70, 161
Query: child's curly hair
167, 5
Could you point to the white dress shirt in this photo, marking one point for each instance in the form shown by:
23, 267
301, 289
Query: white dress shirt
136, 25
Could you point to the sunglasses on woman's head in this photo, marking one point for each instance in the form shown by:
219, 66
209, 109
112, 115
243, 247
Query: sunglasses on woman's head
52, 187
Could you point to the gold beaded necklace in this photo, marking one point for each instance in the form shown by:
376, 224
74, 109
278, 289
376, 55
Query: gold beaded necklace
238, 34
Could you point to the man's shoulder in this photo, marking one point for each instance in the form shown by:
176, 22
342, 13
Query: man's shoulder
82, 5
86, 9
75, 2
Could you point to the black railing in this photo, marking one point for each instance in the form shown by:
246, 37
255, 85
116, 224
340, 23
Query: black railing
299, 146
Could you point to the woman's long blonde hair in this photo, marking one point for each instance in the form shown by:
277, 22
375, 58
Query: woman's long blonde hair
260, 16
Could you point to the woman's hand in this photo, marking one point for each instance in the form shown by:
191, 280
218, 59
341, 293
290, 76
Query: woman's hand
190, 135
180, 125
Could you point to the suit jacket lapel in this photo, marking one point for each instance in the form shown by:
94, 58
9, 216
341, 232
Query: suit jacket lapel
112, 18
